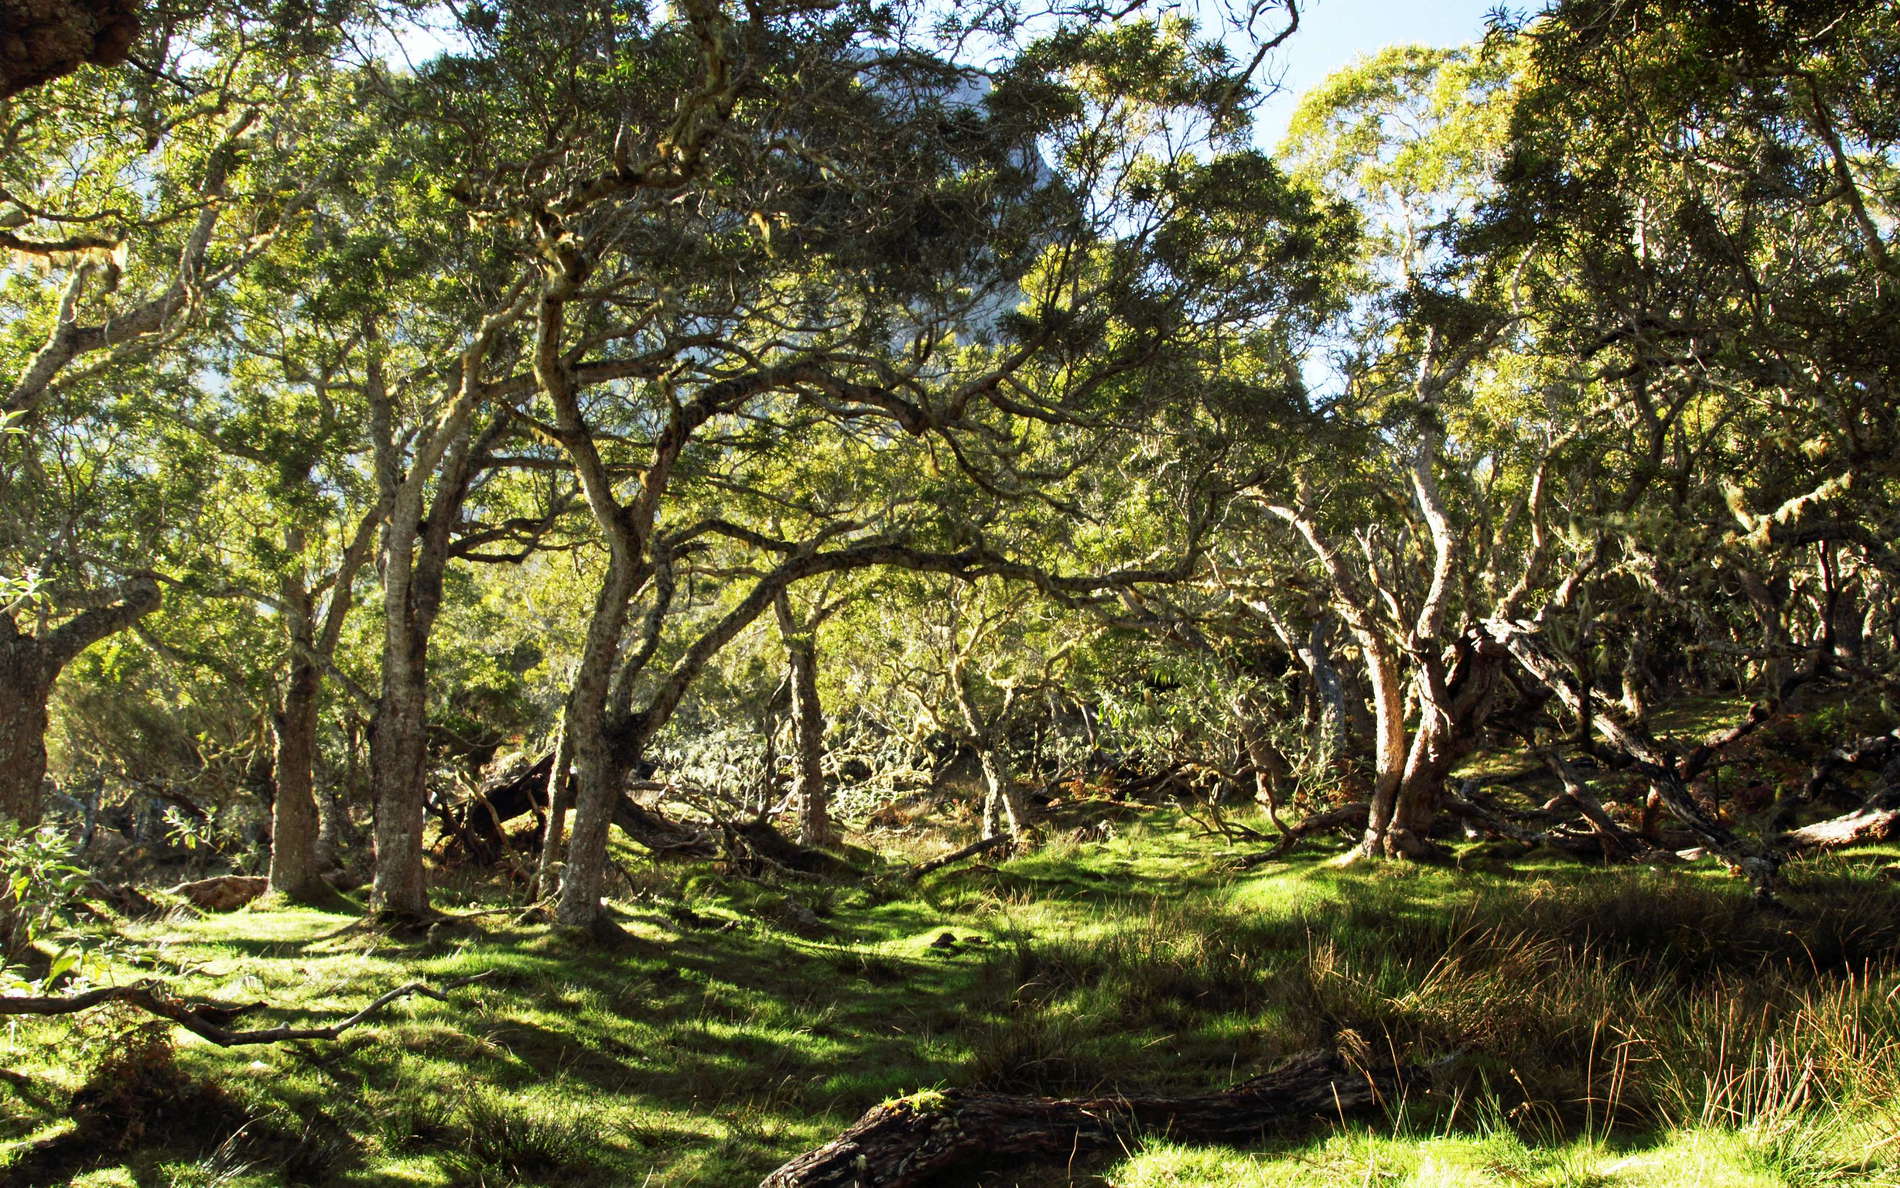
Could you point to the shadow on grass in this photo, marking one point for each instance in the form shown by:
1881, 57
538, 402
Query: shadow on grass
729, 1033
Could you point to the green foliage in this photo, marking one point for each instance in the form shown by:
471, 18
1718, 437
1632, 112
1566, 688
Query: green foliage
42, 890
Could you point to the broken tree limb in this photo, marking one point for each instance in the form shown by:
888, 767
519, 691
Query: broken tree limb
1861, 754
1617, 841
222, 893
1346, 816
905, 1142
206, 1020
970, 851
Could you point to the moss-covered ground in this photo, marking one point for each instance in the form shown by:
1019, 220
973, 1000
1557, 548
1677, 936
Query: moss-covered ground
1585, 1026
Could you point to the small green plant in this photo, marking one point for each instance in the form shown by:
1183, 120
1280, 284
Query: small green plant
41, 890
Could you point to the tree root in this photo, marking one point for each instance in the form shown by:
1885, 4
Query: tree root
207, 1020
1346, 816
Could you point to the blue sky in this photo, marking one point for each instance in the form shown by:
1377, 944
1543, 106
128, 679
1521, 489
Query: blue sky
1334, 32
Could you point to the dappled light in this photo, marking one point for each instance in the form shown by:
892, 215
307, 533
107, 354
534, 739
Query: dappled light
813, 594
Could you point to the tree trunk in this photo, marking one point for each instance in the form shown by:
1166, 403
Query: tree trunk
51, 38
397, 764
25, 687
294, 867
416, 551
1328, 690
560, 794
815, 827
26, 684
598, 771
28, 667
1452, 708
332, 810
1388, 708
1270, 768
1005, 809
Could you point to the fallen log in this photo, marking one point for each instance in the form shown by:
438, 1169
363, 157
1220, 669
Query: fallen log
207, 1020
1876, 821
905, 1142
969, 851
222, 893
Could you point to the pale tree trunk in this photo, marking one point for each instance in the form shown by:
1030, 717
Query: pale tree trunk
1330, 692
1329, 717
598, 771
1005, 809
1389, 750
1270, 768
600, 767
547, 873
397, 753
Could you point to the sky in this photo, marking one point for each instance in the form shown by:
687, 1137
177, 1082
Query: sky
1333, 33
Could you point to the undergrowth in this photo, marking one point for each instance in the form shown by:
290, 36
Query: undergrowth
1575, 1026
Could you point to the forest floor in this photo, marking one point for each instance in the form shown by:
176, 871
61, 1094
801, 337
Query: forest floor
1628, 1026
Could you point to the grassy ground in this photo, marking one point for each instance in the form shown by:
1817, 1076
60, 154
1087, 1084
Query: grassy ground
1588, 1027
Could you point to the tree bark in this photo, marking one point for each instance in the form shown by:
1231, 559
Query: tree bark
815, 826
1005, 809
416, 548
26, 684
1270, 768
29, 666
560, 795
1864, 826
600, 769
397, 751
1385, 837
48, 39
916, 1140
294, 866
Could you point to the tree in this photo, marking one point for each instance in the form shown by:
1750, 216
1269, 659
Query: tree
730, 288
110, 264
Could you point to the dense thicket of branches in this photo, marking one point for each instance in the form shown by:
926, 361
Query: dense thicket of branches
775, 408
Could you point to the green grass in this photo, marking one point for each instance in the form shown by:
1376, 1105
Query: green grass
1587, 1026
